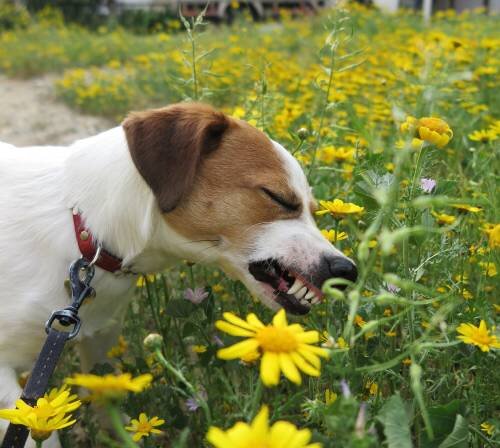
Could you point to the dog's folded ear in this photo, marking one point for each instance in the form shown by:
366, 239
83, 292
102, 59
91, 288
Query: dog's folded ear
168, 145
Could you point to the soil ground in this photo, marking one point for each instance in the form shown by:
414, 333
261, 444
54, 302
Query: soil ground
30, 114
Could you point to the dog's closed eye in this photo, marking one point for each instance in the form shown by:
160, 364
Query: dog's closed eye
287, 204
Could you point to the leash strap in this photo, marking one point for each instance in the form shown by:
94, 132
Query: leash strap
81, 273
37, 383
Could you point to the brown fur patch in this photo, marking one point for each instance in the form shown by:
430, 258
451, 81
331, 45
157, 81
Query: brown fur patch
227, 200
208, 171
167, 146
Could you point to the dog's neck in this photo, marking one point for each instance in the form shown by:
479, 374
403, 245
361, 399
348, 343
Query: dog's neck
116, 203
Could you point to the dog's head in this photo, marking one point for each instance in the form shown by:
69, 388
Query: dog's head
237, 199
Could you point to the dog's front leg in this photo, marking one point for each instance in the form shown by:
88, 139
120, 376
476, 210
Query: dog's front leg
93, 349
10, 391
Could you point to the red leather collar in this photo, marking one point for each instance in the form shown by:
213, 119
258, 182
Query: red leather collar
88, 247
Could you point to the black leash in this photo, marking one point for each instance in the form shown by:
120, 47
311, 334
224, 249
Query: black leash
81, 273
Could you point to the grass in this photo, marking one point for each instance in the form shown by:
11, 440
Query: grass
334, 89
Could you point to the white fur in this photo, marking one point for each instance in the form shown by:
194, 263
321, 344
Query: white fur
38, 188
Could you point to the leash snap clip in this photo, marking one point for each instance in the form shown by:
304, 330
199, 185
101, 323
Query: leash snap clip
81, 273
65, 317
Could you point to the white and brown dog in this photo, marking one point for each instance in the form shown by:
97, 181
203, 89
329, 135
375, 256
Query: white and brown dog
182, 182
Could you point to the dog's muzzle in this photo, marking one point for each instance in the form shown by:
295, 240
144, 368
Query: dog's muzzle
297, 291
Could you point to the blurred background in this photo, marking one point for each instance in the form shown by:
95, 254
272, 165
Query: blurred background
148, 14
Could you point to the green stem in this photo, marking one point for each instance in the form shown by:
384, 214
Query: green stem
193, 56
190, 387
38, 443
153, 305
323, 112
116, 421
337, 225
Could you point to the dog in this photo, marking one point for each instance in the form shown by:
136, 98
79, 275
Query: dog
184, 182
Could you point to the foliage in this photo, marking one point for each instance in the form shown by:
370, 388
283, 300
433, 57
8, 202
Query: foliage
13, 17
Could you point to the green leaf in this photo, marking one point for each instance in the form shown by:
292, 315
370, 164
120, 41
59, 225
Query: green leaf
396, 424
459, 437
443, 418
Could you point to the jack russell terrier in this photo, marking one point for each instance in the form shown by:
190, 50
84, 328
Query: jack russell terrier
181, 182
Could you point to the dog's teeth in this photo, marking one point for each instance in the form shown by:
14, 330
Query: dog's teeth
295, 287
309, 295
301, 292
303, 302
315, 300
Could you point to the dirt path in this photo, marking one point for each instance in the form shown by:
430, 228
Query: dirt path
30, 114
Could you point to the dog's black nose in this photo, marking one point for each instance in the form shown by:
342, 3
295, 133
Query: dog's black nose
342, 268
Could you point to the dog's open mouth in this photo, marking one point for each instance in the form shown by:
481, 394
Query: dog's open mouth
290, 289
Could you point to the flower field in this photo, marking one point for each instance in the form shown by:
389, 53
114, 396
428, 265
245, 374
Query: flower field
397, 126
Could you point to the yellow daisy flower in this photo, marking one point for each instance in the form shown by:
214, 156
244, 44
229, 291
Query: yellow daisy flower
111, 386
488, 428
199, 348
430, 129
141, 281
494, 236
479, 336
119, 349
331, 154
49, 413
467, 208
57, 401
443, 218
330, 397
332, 236
359, 321
285, 348
338, 208
42, 427
259, 434
489, 269
144, 426
483, 136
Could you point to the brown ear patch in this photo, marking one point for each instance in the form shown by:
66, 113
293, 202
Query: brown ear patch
167, 146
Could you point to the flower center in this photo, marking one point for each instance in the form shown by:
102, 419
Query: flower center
482, 338
277, 340
144, 427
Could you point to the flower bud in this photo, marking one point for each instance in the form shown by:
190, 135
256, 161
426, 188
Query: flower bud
303, 133
153, 341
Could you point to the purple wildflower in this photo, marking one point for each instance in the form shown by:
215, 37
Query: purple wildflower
393, 288
192, 403
217, 341
195, 296
346, 392
427, 185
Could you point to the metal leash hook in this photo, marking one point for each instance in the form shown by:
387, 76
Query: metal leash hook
81, 273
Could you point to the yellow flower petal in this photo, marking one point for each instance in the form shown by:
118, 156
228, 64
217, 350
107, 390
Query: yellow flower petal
279, 320
235, 320
238, 350
303, 365
233, 330
270, 369
288, 368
